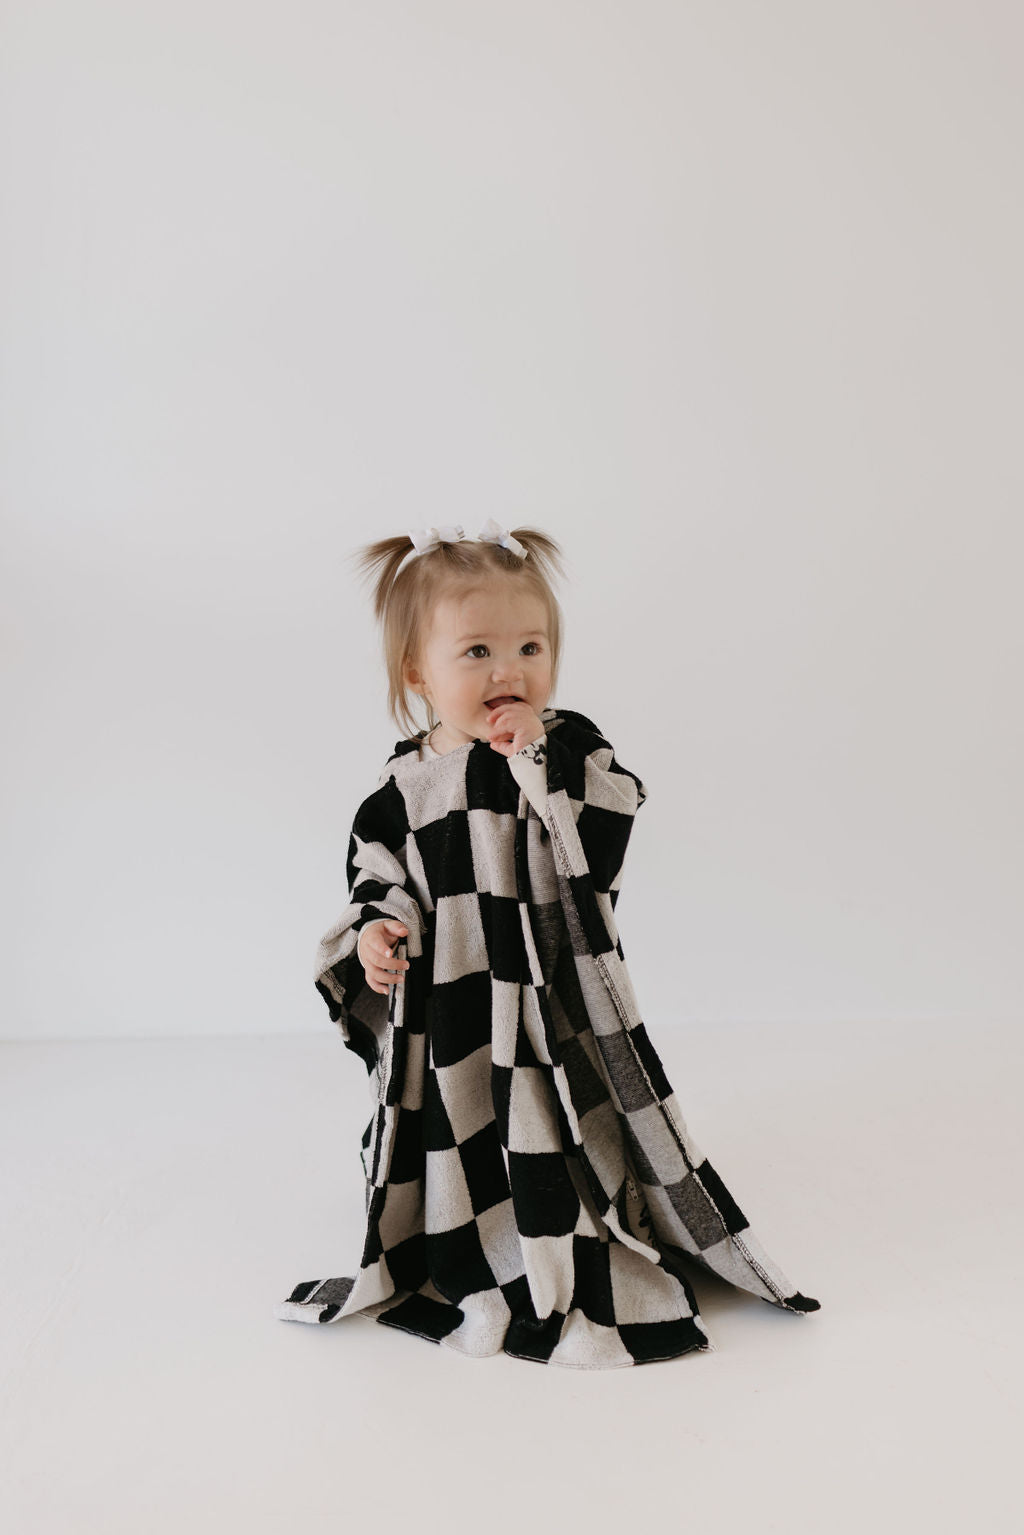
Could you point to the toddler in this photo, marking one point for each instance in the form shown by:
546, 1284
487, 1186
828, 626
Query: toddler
530, 1185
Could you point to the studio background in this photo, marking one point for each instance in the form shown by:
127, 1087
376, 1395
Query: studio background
726, 298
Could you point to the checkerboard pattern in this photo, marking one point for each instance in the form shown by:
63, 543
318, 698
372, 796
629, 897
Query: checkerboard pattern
531, 1186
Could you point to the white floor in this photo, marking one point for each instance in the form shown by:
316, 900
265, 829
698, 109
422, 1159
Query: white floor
160, 1197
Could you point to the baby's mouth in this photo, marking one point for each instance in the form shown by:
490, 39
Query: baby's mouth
509, 698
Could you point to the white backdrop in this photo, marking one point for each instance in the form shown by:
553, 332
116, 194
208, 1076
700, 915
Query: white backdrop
726, 298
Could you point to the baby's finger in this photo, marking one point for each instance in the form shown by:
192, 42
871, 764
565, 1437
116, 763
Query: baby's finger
385, 960
380, 976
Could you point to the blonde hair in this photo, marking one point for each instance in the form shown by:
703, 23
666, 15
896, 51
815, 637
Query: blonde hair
405, 596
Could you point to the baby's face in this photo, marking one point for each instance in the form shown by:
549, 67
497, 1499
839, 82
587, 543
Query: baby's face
483, 644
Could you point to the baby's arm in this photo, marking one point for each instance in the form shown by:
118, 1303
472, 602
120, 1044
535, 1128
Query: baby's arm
603, 795
347, 972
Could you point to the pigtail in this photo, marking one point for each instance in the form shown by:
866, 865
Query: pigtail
379, 563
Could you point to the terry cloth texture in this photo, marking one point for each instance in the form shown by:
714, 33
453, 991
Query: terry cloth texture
530, 1184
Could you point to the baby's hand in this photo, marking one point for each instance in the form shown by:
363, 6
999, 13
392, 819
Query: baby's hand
514, 726
381, 967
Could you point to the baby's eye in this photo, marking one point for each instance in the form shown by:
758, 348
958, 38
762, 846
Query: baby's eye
530, 643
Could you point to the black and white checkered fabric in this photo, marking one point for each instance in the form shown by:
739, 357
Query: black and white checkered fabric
531, 1186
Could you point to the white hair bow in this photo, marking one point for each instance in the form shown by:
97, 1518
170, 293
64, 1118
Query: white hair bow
426, 538
491, 532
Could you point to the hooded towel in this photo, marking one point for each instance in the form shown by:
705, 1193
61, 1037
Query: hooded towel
530, 1184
